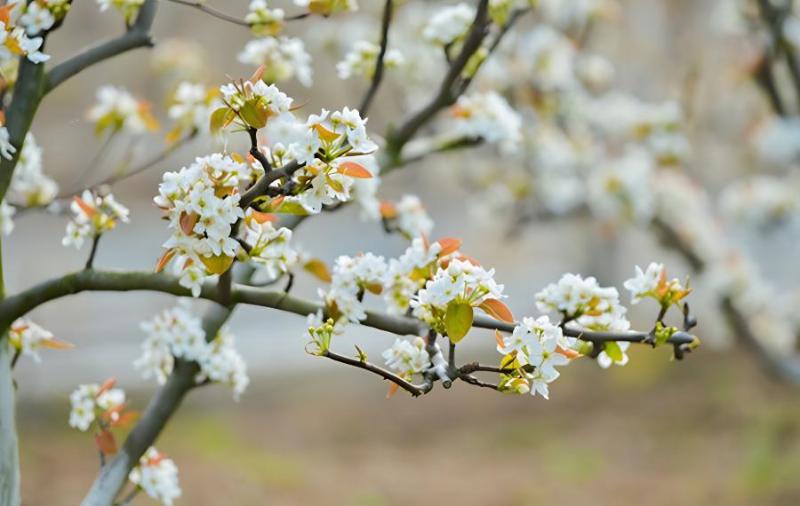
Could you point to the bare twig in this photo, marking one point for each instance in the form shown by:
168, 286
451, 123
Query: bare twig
415, 390
92, 252
138, 35
377, 76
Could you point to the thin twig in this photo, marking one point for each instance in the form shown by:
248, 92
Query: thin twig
138, 35
201, 6
415, 390
92, 252
377, 76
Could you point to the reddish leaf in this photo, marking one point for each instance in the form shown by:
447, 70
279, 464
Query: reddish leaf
569, 353
188, 221
388, 210
164, 260
106, 443
256, 77
85, 207
106, 386
260, 217
449, 245
497, 309
56, 344
355, 170
318, 268
392, 390
499, 338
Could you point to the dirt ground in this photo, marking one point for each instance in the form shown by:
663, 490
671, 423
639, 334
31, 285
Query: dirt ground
709, 430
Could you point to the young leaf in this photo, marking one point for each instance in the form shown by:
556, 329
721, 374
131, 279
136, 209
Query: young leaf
449, 245
355, 170
458, 320
318, 268
497, 309
164, 259
219, 119
614, 352
106, 443
393, 387
498, 337
217, 264
188, 221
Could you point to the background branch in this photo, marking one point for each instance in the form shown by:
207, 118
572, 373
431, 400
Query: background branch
137, 35
377, 77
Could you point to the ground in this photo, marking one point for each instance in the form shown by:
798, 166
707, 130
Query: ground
709, 430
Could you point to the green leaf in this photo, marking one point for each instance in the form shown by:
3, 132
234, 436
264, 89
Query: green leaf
614, 352
458, 320
291, 207
254, 114
219, 119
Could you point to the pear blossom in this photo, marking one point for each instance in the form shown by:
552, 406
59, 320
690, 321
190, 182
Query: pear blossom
37, 18
177, 333
7, 149
92, 216
128, 8
30, 186
363, 58
605, 360
262, 19
6, 218
157, 475
653, 282
283, 58
461, 281
537, 343
583, 302
351, 277
191, 106
27, 337
91, 401
270, 247
328, 7
116, 109
14, 42
488, 116
449, 24
407, 357
412, 220
408, 273
201, 202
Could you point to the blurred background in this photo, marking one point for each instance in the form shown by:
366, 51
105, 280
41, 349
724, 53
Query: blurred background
710, 429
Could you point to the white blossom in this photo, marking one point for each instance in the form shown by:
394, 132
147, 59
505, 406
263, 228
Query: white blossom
157, 475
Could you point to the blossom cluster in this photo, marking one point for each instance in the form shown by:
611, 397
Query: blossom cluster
117, 110
283, 58
536, 343
176, 333
17, 30
29, 187
27, 338
460, 284
352, 277
362, 59
584, 304
157, 475
201, 202
93, 403
92, 216
191, 106
128, 8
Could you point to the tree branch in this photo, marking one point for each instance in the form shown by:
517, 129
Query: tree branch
201, 6
415, 390
137, 35
377, 76
446, 96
